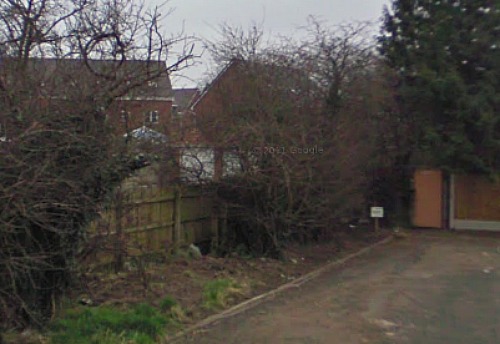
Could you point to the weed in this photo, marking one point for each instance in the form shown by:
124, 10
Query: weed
177, 314
218, 292
171, 308
191, 274
167, 303
140, 325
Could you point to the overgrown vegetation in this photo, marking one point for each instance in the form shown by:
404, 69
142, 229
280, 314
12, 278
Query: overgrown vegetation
307, 127
142, 324
323, 128
217, 293
136, 324
58, 157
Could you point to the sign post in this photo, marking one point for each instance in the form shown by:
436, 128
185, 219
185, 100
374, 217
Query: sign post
376, 213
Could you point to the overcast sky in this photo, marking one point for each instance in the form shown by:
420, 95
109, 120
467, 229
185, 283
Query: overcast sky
279, 17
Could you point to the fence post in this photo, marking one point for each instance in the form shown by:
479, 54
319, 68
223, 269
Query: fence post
118, 247
214, 226
176, 234
222, 225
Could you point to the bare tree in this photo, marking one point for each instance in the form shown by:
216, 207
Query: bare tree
62, 66
236, 43
304, 122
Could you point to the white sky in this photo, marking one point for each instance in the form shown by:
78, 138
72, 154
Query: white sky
279, 17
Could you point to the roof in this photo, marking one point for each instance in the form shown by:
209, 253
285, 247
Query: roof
145, 133
138, 78
219, 76
274, 75
184, 97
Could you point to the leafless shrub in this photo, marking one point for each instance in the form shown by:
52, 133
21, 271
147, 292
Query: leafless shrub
305, 122
58, 159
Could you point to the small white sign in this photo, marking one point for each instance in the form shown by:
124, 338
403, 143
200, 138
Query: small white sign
377, 212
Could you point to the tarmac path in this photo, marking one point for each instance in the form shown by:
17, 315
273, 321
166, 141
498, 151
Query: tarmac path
424, 289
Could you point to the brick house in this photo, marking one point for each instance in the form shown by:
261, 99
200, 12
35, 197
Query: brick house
149, 105
226, 89
133, 93
184, 123
244, 90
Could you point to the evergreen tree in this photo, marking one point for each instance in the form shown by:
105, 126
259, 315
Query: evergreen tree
447, 55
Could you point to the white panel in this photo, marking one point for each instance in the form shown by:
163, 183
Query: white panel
477, 225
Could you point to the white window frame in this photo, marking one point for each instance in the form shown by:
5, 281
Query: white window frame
197, 164
153, 116
3, 133
175, 110
124, 116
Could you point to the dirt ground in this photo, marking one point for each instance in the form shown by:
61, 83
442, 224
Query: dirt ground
436, 287
183, 279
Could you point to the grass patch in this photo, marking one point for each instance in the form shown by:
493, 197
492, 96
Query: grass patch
142, 324
217, 293
167, 303
173, 310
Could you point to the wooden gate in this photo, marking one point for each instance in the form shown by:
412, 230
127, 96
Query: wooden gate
428, 202
475, 203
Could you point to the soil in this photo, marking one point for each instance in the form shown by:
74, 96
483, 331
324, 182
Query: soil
183, 279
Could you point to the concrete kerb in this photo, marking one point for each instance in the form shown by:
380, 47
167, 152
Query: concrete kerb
248, 304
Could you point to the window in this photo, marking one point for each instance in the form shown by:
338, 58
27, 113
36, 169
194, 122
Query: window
197, 164
153, 116
174, 110
3, 134
124, 116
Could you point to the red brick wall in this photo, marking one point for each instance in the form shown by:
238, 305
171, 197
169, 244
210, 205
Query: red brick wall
216, 103
137, 115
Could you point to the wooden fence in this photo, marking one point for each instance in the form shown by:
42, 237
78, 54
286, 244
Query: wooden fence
144, 220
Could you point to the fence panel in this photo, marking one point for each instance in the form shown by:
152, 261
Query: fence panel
141, 220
